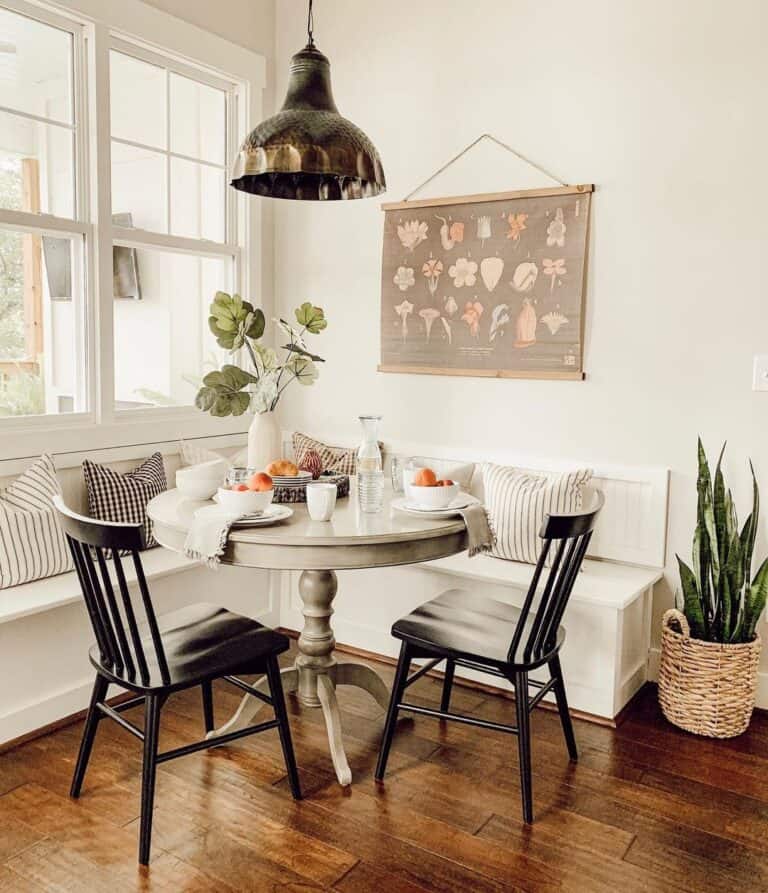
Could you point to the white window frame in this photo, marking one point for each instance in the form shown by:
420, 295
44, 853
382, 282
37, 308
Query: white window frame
146, 33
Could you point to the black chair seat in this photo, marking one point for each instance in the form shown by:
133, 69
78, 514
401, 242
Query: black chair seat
464, 629
473, 627
191, 647
201, 642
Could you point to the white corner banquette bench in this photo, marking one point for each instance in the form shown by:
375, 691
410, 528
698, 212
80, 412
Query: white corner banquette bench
608, 619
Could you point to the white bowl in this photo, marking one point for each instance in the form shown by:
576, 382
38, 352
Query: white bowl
244, 501
196, 489
432, 497
215, 470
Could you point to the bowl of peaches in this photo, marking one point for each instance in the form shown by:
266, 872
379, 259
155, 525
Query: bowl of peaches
426, 491
247, 493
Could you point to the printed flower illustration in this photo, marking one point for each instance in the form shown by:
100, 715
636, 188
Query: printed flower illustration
451, 306
554, 268
429, 315
554, 321
471, 316
525, 276
556, 230
463, 272
432, 270
499, 319
404, 278
516, 225
413, 233
483, 228
403, 311
450, 234
447, 327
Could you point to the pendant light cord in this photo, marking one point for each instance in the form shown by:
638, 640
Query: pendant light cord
310, 25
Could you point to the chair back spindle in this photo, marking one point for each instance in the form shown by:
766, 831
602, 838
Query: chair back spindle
117, 629
568, 535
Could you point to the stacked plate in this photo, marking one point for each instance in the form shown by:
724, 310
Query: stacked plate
299, 480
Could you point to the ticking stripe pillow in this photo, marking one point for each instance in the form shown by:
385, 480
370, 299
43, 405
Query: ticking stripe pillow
341, 460
113, 496
32, 545
517, 502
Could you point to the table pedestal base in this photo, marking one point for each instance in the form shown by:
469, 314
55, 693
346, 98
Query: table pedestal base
316, 674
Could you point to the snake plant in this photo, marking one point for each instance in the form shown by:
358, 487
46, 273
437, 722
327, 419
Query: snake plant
718, 599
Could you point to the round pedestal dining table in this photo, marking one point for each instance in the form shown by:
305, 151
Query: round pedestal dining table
351, 539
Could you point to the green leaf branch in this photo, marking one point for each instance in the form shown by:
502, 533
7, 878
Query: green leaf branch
239, 326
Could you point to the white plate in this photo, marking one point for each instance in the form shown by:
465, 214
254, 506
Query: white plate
301, 478
271, 515
462, 501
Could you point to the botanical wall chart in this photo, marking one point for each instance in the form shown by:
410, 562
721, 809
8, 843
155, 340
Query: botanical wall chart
487, 285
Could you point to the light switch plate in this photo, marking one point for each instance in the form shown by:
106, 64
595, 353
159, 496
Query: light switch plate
760, 373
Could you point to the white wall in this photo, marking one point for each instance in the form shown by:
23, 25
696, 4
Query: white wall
659, 105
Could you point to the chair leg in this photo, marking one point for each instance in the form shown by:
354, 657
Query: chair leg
398, 687
284, 728
100, 687
207, 691
152, 706
524, 743
445, 702
562, 707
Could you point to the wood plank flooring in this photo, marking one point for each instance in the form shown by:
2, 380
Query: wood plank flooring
647, 808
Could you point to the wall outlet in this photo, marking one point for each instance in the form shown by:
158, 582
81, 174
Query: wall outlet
760, 373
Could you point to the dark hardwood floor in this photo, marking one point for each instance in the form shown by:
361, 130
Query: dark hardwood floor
647, 808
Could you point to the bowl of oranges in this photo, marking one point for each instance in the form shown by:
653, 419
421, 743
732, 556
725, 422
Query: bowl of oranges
426, 491
249, 496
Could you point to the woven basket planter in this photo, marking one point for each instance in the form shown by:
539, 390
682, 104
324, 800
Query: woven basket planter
707, 688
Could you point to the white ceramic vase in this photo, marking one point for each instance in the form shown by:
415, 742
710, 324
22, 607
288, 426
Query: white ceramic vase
263, 440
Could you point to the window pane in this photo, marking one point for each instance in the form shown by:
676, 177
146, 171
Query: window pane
36, 166
198, 120
163, 346
35, 67
41, 347
197, 200
138, 101
139, 187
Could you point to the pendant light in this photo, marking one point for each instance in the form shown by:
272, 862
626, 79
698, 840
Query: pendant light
307, 150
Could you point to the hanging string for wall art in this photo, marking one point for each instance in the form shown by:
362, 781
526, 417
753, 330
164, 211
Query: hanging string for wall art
486, 285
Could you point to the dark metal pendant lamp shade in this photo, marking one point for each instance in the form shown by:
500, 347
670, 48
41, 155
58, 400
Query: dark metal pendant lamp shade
308, 150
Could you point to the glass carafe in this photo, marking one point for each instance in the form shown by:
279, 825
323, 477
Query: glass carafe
370, 477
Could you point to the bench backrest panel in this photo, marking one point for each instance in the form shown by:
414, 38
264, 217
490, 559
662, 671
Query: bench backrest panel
632, 527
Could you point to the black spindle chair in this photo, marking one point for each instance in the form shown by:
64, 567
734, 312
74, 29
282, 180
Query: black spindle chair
179, 650
480, 633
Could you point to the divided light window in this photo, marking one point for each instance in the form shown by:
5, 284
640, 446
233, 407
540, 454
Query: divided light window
172, 231
169, 155
42, 242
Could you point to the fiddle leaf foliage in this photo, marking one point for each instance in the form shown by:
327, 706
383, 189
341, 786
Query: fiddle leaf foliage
238, 327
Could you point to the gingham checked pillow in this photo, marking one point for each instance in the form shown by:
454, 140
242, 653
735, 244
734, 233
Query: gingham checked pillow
342, 460
32, 544
113, 496
518, 500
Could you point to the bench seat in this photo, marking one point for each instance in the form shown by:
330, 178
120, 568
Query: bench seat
64, 589
600, 582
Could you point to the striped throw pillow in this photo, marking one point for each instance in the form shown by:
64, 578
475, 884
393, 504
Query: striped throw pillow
32, 545
341, 460
113, 496
518, 501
